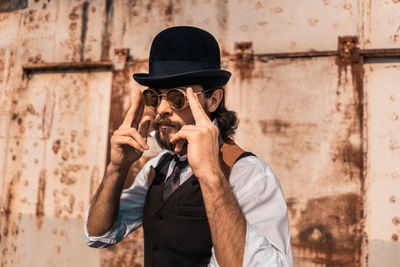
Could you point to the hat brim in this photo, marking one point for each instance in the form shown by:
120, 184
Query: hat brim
213, 77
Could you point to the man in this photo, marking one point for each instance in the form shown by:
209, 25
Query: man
202, 201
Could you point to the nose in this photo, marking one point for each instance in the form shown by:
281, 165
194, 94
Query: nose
164, 108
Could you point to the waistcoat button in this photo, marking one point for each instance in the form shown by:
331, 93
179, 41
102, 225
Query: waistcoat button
154, 247
158, 218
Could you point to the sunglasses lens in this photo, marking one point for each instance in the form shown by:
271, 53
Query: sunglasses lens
150, 98
176, 98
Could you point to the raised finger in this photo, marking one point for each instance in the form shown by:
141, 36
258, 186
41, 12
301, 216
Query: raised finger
127, 140
133, 111
134, 134
179, 145
183, 134
144, 126
138, 115
199, 115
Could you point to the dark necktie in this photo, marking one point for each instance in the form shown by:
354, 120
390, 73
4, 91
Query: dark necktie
172, 183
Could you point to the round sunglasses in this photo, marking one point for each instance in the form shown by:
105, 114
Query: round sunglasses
176, 97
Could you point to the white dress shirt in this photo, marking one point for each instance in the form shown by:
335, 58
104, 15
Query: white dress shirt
258, 193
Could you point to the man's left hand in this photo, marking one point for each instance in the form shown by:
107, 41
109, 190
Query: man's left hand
202, 139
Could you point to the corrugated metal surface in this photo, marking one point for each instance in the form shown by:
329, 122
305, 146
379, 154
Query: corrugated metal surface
311, 119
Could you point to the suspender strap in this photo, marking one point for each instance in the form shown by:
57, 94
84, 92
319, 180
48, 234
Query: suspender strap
229, 155
243, 155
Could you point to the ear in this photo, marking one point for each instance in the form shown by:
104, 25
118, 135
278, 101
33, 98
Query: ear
214, 101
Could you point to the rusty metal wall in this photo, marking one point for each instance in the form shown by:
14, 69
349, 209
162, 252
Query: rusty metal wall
317, 121
383, 221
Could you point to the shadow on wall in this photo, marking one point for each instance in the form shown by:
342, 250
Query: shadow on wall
7, 6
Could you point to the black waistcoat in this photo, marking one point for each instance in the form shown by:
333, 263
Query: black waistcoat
176, 232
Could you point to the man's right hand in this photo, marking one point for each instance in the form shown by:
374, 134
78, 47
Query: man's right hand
130, 140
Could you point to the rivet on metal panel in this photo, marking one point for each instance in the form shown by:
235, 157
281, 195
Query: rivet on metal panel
244, 62
120, 58
396, 220
348, 50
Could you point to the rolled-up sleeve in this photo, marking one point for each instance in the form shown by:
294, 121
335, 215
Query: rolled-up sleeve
130, 214
259, 194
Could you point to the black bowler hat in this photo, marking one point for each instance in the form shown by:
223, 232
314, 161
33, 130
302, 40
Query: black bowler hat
183, 56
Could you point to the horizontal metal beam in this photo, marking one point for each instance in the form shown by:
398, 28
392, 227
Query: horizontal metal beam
368, 53
298, 54
390, 52
67, 66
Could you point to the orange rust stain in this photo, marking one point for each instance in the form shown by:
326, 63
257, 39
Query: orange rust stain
58, 250
394, 144
66, 179
330, 227
347, 6
73, 26
65, 192
395, 237
73, 135
244, 62
2, 64
392, 199
94, 181
71, 202
276, 10
11, 195
40, 197
272, 127
313, 21
291, 205
65, 155
74, 15
56, 146
54, 231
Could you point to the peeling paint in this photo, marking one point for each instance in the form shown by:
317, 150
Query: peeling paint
41, 198
105, 44
244, 62
333, 236
42, 135
85, 7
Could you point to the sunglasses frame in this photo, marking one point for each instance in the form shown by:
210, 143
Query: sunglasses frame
180, 89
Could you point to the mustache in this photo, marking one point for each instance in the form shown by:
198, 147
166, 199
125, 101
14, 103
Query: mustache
165, 121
